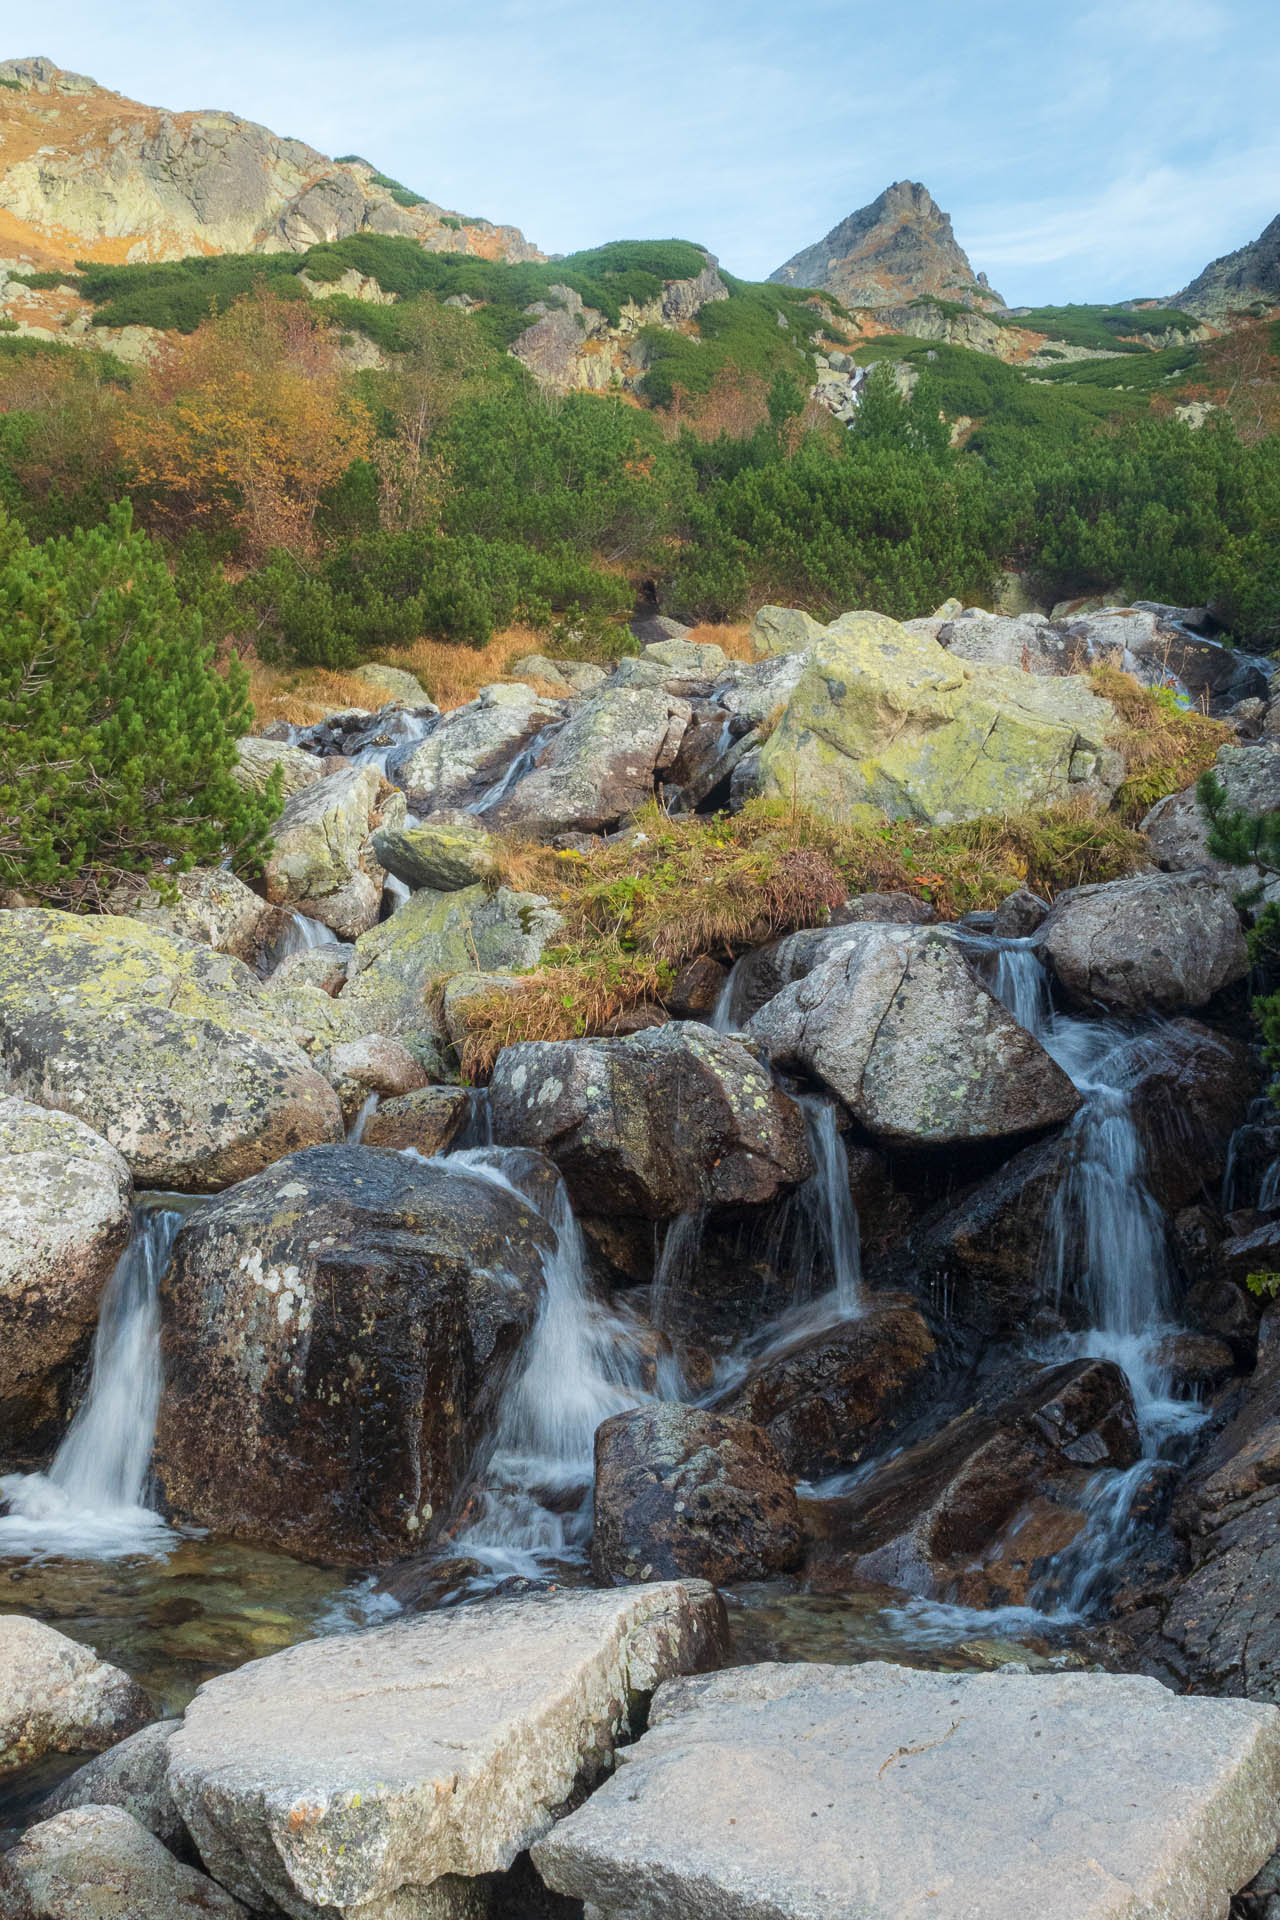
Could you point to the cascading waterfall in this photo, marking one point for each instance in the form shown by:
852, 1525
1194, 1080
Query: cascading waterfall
1107, 1246
300, 935
90, 1504
524, 762
582, 1363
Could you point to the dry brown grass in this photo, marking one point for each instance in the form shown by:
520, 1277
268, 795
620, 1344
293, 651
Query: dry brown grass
1166, 747
732, 638
451, 676
638, 908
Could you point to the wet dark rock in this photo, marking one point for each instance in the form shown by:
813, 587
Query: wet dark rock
1257, 1252
682, 1491
982, 1259
660, 1123
1019, 915
1219, 1630
429, 1120
697, 988
335, 1333
832, 1397
976, 1511
1198, 1363
1189, 1089
1159, 942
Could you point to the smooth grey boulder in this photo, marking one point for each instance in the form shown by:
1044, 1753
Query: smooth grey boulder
660, 1122
805, 1792
1019, 915
58, 1697
99, 1863
335, 1334
784, 630
64, 1222
470, 748
1158, 943
897, 1026
171, 1052
600, 767
371, 1775
133, 1775
1025, 641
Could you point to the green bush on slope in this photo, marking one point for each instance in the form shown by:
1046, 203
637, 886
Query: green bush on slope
117, 734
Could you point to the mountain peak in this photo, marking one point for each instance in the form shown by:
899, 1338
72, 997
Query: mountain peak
898, 247
1237, 281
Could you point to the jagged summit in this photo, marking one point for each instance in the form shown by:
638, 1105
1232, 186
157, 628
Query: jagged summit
1248, 277
90, 174
899, 247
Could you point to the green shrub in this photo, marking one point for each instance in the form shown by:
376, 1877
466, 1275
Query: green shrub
390, 589
117, 734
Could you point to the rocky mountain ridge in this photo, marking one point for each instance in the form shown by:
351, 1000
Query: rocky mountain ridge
87, 174
1236, 282
898, 248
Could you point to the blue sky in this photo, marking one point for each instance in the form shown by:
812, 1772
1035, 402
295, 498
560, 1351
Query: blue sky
1084, 151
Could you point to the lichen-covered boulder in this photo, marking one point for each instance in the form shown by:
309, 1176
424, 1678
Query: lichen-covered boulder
64, 1222
1026, 642
259, 759
214, 907
600, 767
170, 1051
397, 965
658, 1123
321, 857
335, 1334
393, 683
680, 1491
888, 722
469, 748
449, 851
1157, 943
784, 630
897, 1025
92, 1862
58, 1697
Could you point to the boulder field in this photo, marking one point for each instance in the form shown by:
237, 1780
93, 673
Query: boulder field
890, 1261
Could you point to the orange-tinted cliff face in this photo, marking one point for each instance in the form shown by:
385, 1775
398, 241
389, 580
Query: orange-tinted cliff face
86, 174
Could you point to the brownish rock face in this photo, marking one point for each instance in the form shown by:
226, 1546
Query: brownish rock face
336, 1332
974, 1512
825, 1401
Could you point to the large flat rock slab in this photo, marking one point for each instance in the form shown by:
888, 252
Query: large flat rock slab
358, 1775
792, 1792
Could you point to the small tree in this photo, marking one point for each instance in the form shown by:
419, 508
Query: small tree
117, 733
247, 422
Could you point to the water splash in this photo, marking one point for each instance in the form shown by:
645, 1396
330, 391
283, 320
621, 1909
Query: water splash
582, 1363
90, 1504
368, 1107
300, 935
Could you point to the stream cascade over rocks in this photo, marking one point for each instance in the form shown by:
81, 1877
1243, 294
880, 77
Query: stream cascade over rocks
892, 1279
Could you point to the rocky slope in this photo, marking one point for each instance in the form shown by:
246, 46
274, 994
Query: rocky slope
889, 253
1246, 278
87, 174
